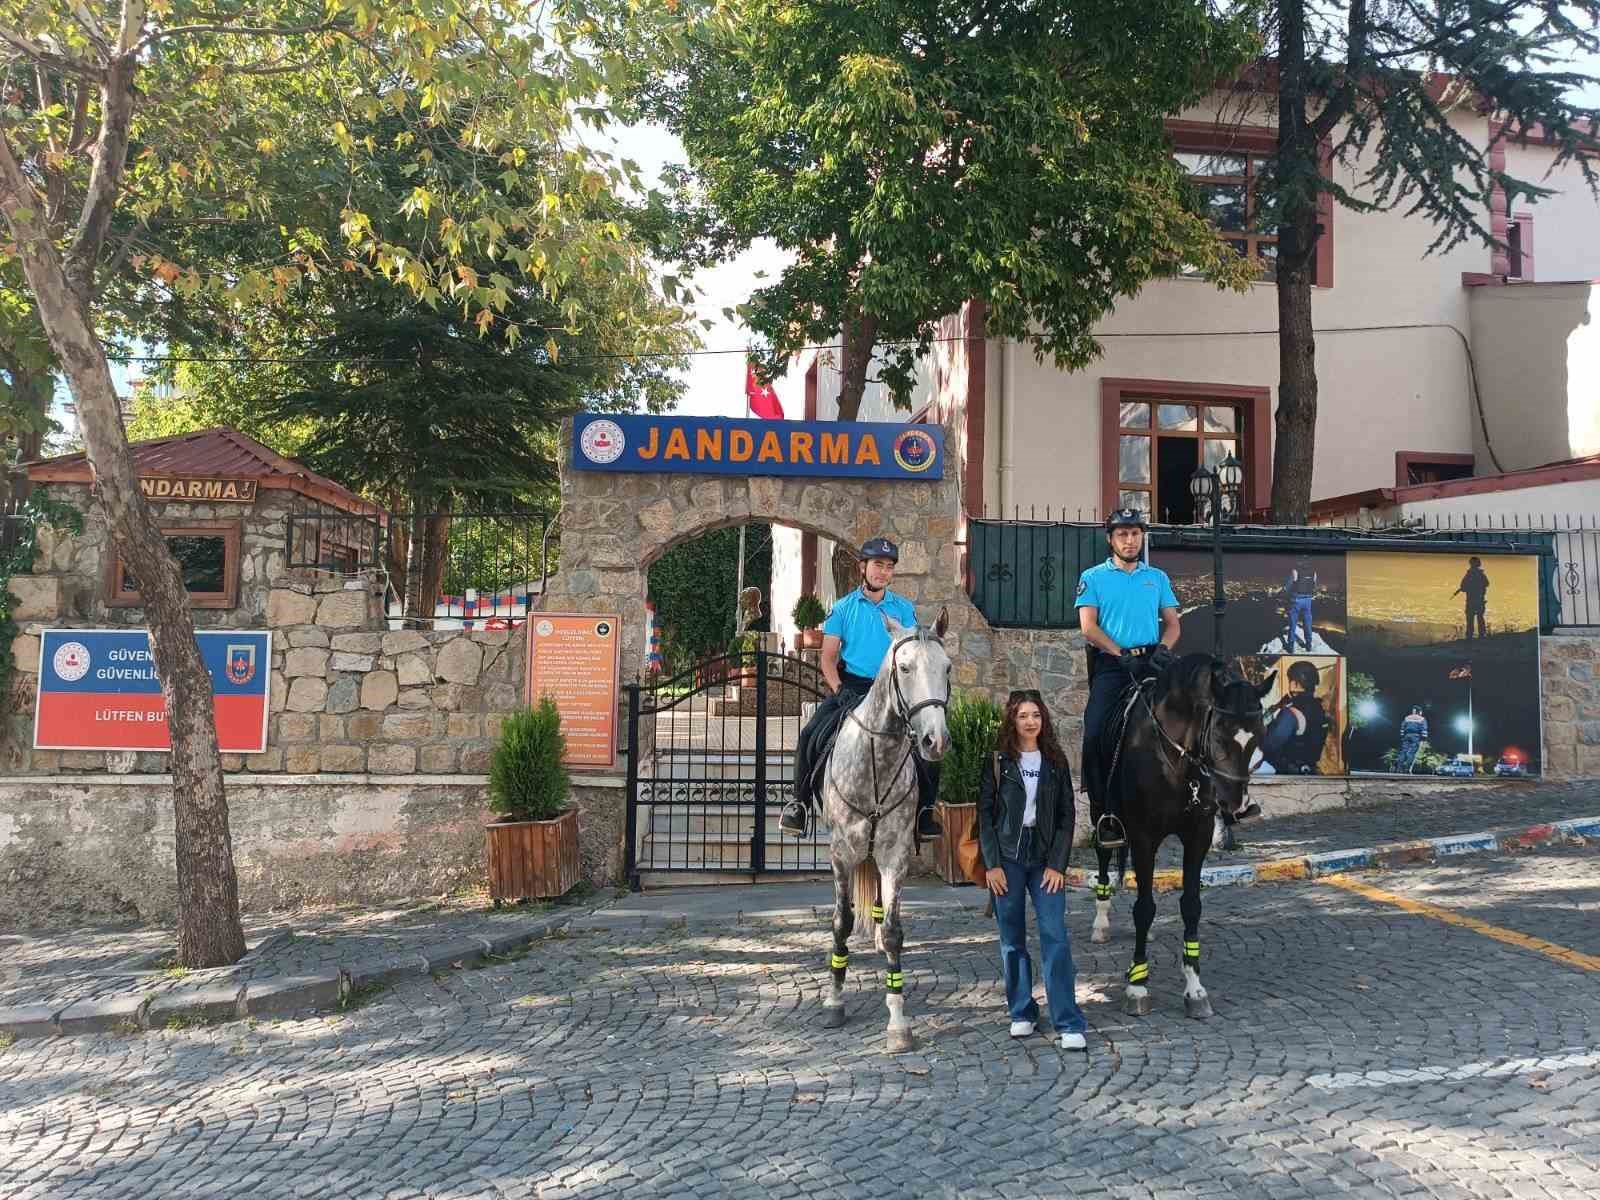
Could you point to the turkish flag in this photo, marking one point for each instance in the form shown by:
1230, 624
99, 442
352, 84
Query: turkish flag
763, 401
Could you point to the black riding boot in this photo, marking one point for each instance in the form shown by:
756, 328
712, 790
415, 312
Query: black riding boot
927, 796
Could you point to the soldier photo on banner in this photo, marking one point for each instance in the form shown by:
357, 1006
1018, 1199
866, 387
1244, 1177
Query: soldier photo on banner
1450, 644
1277, 603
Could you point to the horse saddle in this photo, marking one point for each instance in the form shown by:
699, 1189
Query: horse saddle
826, 734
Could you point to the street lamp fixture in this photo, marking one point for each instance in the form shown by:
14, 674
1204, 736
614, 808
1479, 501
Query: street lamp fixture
1218, 497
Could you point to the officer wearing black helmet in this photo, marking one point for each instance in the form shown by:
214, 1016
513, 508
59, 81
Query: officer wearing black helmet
854, 642
1129, 617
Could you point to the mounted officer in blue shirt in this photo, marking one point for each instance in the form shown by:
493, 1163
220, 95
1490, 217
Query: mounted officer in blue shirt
1129, 617
854, 642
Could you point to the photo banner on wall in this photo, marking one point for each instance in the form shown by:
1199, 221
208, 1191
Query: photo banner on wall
1421, 662
98, 690
1445, 664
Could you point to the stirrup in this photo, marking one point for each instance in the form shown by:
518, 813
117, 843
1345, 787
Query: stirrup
927, 824
1109, 833
795, 819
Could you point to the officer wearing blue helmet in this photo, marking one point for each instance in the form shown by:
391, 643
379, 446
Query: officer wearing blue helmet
854, 643
1129, 617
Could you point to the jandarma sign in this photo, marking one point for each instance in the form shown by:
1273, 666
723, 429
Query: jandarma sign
227, 491
724, 446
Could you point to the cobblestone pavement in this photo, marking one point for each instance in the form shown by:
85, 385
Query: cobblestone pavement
1357, 1047
1466, 810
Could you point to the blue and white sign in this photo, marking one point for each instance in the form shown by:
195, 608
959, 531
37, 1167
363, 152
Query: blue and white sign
729, 446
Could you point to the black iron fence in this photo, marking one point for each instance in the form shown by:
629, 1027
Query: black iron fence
450, 568
469, 568
323, 538
1023, 573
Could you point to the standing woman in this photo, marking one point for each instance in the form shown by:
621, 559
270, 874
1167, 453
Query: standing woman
1025, 817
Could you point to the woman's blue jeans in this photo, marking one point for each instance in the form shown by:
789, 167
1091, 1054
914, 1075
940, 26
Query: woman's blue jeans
1060, 978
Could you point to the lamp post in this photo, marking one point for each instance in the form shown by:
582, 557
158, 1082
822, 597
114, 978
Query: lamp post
1217, 496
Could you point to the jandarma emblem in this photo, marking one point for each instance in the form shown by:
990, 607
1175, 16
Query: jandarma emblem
914, 450
241, 664
602, 441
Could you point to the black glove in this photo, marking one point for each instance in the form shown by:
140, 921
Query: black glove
1162, 657
1128, 661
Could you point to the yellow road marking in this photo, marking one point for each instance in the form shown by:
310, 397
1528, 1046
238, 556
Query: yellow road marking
1572, 958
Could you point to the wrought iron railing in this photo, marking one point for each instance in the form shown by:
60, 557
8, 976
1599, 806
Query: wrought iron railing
1023, 573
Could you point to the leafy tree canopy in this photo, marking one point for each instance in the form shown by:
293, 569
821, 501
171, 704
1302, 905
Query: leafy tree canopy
915, 154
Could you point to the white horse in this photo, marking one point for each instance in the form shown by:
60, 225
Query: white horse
869, 792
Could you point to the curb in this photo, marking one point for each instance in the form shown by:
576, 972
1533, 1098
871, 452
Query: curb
1418, 851
223, 999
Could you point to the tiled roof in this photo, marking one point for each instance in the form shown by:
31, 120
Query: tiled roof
210, 452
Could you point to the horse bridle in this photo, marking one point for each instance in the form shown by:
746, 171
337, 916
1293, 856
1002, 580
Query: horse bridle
904, 709
1202, 764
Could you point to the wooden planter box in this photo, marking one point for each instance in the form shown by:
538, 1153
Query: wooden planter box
957, 820
811, 639
532, 860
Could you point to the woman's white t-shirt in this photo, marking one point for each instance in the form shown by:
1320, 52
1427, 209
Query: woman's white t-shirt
1031, 763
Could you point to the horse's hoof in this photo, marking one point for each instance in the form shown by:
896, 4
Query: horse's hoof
1099, 936
899, 1041
1198, 1007
1136, 1006
833, 1018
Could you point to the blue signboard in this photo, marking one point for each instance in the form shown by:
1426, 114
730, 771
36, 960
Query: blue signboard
727, 446
98, 690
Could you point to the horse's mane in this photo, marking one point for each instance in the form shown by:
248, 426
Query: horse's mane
1183, 678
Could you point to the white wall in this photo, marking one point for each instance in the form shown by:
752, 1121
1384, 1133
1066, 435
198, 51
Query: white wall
1402, 386
1538, 356
785, 582
1566, 226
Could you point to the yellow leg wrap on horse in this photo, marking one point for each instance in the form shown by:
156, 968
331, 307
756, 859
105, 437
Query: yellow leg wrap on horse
894, 981
839, 961
877, 912
1139, 972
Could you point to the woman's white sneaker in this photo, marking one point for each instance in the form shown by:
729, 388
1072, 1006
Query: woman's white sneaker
1073, 1041
1022, 1029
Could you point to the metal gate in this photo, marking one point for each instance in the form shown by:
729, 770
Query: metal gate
711, 763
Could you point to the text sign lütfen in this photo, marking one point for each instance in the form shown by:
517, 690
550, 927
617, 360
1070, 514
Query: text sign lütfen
98, 690
724, 446
573, 658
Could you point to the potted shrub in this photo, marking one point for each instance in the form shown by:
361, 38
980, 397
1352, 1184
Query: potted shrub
808, 614
742, 663
533, 847
973, 721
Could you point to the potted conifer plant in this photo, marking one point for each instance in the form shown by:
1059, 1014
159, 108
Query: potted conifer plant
808, 614
533, 846
742, 659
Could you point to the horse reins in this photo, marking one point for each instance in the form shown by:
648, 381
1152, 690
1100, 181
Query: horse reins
1201, 764
904, 711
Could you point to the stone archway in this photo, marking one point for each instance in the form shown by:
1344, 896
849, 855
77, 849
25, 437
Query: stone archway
613, 526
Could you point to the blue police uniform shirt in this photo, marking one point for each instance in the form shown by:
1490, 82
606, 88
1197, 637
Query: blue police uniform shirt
858, 623
1129, 602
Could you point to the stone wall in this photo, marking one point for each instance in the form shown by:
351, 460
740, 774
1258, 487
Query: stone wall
68, 584
90, 849
1571, 694
347, 694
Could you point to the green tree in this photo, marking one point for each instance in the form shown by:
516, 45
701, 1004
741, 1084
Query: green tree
693, 588
147, 114
912, 155
1387, 87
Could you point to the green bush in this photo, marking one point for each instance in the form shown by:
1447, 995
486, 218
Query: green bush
973, 721
528, 780
808, 612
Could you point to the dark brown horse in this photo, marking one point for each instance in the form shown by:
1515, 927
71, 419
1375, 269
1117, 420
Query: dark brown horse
1183, 756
